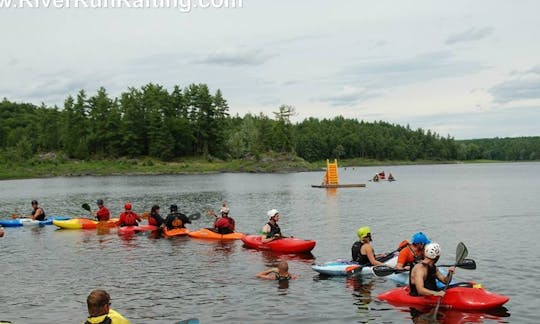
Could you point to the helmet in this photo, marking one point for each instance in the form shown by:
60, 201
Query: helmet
127, 206
420, 238
34, 202
432, 250
99, 202
173, 208
224, 210
272, 212
363, 232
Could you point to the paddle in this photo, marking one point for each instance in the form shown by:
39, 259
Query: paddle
461, 254
382, 271
86, 207
189, 321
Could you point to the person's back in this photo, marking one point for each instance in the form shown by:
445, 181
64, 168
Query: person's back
224, 224
176, 219
128, 217
38, 213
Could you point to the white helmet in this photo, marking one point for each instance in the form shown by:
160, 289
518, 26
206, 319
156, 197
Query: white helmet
432, 250
272, 212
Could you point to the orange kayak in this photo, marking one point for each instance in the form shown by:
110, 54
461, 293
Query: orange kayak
205, 233
84, 223
175, 232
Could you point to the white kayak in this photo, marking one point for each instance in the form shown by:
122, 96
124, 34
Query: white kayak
343, 267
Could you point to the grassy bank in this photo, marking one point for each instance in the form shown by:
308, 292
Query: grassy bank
269, 163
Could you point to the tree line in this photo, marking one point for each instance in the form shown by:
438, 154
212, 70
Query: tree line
193, 121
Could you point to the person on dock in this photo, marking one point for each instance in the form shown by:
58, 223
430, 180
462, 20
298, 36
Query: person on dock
413, 253
271, 230
424, 275
281, 272
176, 219
223, 224
362, 251
102, 214
100, 311
155, 218
128, 217
37, 211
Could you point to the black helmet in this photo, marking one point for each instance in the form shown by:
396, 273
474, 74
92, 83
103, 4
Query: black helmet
173, 208
99, 202
34, 202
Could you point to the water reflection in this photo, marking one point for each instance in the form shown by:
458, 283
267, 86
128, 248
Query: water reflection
450, 316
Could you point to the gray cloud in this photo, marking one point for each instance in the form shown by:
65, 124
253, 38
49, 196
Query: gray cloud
471, 34
399, 71
236, 57
523, 85
349, 96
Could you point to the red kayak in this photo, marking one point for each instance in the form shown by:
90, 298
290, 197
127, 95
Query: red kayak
285, 245
473, 298
136, 229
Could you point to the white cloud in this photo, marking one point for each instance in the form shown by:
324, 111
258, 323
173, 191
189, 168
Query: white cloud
471, 34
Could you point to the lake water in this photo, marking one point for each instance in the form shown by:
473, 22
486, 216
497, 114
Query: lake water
47, 273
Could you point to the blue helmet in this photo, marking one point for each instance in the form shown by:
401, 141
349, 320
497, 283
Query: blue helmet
420, 238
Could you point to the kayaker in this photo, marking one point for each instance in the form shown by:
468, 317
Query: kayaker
375, 178
413, 252
176, 219
155, 218
362, 251
223, 224
37, 212
128, 217
271, 230
424, 275
102, 214
100, 311
281, 272
390, 177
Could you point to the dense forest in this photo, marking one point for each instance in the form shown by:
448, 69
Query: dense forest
192, 121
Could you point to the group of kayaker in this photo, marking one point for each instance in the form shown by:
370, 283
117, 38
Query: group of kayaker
419, 256
382, 176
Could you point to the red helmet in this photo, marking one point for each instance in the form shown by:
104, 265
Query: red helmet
127, 206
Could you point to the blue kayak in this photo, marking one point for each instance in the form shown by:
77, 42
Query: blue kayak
17, 222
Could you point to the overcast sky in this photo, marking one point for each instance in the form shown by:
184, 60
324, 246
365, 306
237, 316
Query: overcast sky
470, 69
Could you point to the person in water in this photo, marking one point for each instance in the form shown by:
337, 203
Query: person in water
223, 224
390, 177
100, 311
375, 178
176, 219
413, 252
362, 251
102, 214
271, 230
155, 217
424, 275
37, 211
281, 272
128, 217
1, 231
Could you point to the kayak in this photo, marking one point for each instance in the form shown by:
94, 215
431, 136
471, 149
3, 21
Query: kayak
342, 267
205, 233
136, 229
175, 232
17, 222
83, 223
285, 245
472, 297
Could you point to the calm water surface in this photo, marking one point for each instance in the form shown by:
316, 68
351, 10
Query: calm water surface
47, 273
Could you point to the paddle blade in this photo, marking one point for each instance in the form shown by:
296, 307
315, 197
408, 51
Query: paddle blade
468, 264
382, 270
189, 321
195, 215
85, 206
461, 252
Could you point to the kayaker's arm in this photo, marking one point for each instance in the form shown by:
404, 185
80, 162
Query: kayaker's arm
444, 279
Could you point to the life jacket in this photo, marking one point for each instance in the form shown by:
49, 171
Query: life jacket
129, 219
279, 277
357, 256
274, 229
40, 217
106, 320
225, 225
155, 219
430, 282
